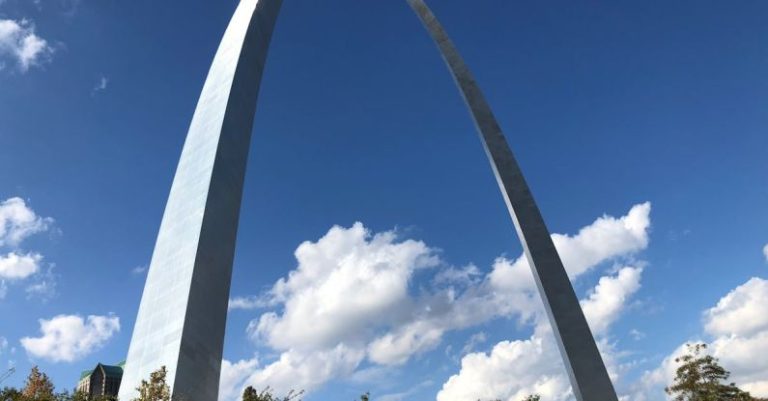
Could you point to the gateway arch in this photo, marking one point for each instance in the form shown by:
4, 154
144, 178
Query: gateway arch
182, 315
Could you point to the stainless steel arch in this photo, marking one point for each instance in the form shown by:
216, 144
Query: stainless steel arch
589, 378
183, 310
182, 315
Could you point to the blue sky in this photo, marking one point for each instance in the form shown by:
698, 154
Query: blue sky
607, 106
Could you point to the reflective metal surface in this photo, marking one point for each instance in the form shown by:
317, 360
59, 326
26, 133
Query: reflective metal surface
181, 319
589, 378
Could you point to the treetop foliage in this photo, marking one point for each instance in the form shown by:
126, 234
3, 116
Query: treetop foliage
156, 389
250, 394
701, 378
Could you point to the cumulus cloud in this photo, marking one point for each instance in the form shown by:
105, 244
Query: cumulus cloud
17, 266
508, 290
739, 326
396, 347
233, 376
511, 371
514, 369
765, 252
344, 265
351, 299
609, 297
604, 239
346, 285
20, 43
66, 338
740, 312
296, 370
18, 221
736, 329
293, 370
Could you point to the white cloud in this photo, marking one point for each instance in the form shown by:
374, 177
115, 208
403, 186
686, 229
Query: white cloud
765, 252
515, 369
743, 311
101, 85
467, 275
511, 371
250, 302
233, 376
509, 289
296, 370
403, 395
322, 333
351, 299
17, 220
604, 239
636, 334
70, 337
475, 340
651, 385
43, 286
16, 266
395, 348
608, 299
739, 325
19, 42
139, 270
736, 329
344, 265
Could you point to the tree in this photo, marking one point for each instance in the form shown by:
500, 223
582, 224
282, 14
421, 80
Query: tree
250, 394
78, 396
11, 394
701, 378
156, 389
38, 386
532, 397
75, 396
366, 396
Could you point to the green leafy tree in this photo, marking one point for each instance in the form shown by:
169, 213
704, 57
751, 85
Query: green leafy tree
701, 378
74, 396
156, 389
11, 394
38, 387
532, 397
78, 396
250, 394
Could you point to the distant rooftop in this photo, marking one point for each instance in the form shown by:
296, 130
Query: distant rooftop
110, 370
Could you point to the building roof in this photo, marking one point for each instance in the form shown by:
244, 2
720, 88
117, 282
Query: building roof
113, 370
109, 370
